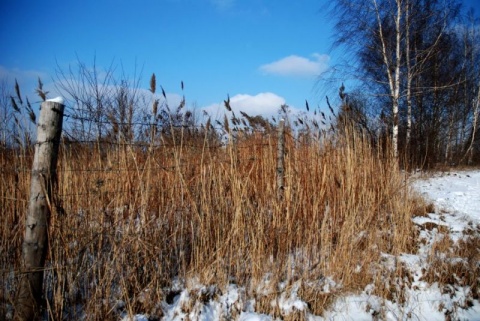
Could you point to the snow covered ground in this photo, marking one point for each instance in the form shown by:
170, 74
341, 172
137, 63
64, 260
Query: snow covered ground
455, 193
456, 196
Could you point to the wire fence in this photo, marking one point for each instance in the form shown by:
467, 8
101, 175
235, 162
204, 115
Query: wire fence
103, 158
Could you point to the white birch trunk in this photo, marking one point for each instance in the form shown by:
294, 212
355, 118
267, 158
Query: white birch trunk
393, 76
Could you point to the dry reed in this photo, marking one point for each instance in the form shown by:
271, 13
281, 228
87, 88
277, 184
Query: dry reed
128, 223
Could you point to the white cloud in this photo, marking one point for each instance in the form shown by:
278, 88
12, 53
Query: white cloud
265, 104
222, 4
28, 82
20, 75
27, 79
298, 66
173, 100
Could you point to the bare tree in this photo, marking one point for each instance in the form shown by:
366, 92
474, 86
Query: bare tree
6, 112
91, 90
392, 64
406, 52
476, 109
367, 25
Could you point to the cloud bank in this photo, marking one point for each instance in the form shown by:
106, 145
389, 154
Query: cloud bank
297, 66
222, 4
265, 104
27, 79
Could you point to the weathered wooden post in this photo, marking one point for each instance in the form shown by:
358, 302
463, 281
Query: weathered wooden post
43, 180
281, 160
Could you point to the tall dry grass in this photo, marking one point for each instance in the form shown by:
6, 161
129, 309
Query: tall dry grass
129, 224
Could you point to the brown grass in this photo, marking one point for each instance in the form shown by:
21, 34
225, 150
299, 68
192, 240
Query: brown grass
128, 222
456, 264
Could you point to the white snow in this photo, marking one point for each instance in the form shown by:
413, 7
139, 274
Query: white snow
58, 99
456, 193
291, 302
137, 317
456, 197
250, 316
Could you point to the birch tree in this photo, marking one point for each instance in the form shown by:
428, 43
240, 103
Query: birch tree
406, 54
392, 65
367, 25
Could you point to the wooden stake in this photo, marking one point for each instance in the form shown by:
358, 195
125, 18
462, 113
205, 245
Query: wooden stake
35, 243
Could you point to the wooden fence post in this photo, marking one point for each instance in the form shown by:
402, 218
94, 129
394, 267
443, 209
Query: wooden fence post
281, 160
43, 180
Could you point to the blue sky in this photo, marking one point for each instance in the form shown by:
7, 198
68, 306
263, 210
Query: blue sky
262, 53
216, 47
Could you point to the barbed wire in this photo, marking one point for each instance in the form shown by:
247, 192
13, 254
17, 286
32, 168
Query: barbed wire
267, 140
166, 123
100, 120
112, 169
115, 170
155, 146
95, 192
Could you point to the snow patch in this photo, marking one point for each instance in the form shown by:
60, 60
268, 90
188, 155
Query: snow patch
58, 99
